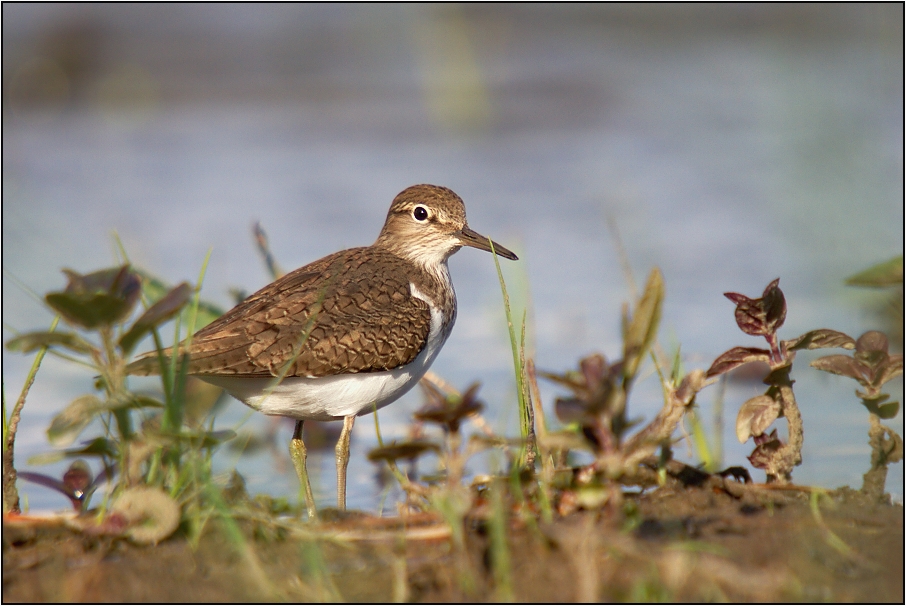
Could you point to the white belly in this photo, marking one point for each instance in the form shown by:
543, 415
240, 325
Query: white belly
325, 398
334, 397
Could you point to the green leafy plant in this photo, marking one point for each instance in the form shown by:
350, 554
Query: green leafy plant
144, 439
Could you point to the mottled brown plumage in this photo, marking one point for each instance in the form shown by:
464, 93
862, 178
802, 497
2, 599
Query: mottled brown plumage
354, 306
346, 334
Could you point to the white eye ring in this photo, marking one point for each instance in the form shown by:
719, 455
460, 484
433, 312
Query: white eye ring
420, 213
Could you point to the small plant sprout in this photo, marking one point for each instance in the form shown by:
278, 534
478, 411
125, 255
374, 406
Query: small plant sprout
872, 366
99, 302
449, 411
600, 391
144, 439
77, 483
763, 317
444, 407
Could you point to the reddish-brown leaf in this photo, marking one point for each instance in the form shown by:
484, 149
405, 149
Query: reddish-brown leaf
846, 366
872, 340
823, 338
571, 410
448, 411
158, 313
738, 356
767, 445
760, 316
891, 370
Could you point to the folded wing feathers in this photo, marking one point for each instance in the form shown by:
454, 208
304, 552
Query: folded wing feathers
315, 321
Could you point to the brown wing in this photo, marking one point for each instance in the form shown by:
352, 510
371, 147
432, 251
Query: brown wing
349, 312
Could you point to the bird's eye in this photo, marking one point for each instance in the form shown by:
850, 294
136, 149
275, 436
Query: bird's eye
420, 213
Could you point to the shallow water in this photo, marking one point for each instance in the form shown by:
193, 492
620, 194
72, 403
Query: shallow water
728, 147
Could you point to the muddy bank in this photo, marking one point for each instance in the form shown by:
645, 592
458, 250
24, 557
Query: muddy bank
671, 544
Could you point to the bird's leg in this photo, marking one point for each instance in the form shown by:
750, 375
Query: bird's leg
298, 454
342, 451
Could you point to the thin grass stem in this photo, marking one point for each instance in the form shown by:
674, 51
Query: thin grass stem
524, 416
11, 426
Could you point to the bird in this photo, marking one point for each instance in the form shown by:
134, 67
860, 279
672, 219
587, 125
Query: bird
344, 335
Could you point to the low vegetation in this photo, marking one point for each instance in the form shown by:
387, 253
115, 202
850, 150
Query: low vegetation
155, 453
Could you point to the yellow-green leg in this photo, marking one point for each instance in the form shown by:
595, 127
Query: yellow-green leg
299, 455
342, 451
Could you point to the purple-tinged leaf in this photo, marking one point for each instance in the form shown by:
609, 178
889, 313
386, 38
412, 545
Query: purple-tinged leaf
594, 369
89, 310
52, 483
121, 282
154, 289
873, 363
760, 317
872, 341
571, 410
889, 371
571, 380
98, 299
738, 356
111, 280
774, 305
846, 366
755, 416
766, 437
77, 484
160, 312
78, 478
739, 298
448, 411
780, 374
434, 396
767, 445
823, 338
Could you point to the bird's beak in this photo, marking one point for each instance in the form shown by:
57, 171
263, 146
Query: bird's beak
467, 237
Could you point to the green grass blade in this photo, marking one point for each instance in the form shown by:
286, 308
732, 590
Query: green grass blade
524, 416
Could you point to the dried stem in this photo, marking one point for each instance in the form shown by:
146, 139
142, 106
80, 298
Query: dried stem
886, 447
658, 431
780, 467
10, 493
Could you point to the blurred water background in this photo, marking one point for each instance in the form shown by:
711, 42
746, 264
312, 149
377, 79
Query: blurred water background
728, 145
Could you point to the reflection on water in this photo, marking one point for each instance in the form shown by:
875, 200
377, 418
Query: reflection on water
728, 146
